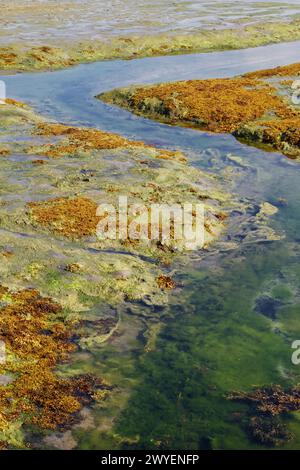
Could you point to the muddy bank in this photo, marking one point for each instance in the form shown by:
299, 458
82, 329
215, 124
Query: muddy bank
258, 107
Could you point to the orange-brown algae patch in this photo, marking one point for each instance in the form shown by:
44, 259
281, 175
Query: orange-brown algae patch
38, 162
7, 254
284, 71
82, 139
7, 57
217, 105
170, 155
87, 139
4, 152
287, 130
286, 83
73, 218
17, 104
36, 340
166, 282
253, 107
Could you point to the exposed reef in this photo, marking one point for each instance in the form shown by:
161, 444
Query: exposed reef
256, 107
83, 140
54, 56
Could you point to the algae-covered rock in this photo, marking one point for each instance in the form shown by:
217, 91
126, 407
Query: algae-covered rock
257, 107
54, 52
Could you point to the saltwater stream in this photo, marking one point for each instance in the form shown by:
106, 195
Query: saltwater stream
214, 339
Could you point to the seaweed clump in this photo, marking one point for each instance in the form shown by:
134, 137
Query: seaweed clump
267, 405
81, 139
281, 71
166, 282
254, 107
269, 431
217, 105
73, 218
77, 139
36, 340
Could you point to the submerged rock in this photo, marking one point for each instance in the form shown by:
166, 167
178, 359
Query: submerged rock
268, 306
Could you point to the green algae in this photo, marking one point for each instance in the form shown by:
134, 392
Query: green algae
220, 344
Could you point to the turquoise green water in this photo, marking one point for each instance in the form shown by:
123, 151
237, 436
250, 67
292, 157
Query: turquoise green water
218, 341
214, 339
216, 344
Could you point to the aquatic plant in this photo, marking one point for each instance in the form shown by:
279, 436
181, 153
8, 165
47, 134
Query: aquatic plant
269, 431
251, 107
37, 339
86, 140
266, 403
281, 71
63, 199
74, 217
273, 400
166, 282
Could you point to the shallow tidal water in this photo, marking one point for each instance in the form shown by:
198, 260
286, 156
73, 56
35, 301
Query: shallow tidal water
214, 337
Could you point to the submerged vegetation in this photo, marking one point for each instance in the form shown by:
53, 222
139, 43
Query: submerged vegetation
256, 107
66, 286
267, 403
